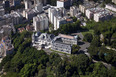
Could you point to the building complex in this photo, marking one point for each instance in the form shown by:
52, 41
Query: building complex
61, 42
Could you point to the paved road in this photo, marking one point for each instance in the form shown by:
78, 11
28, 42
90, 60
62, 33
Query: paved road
83, 49
83, 45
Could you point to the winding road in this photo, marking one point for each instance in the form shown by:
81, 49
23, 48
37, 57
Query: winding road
83, 49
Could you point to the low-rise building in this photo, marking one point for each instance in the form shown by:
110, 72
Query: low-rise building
69, 39
21, 29
6, 47
64, 43
29, 28
58, 45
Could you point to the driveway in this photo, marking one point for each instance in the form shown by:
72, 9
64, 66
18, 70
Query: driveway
81, 43
84, 46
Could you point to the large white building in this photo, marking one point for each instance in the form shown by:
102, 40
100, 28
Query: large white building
111, 7
54, 11
40, 22
57, 16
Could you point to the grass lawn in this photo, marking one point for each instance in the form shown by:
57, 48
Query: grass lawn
59, 52
90, 31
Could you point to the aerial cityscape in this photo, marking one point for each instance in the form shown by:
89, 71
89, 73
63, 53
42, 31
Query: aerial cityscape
57, 38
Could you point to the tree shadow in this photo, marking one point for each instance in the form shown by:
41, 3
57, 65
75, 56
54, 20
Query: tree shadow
80, 43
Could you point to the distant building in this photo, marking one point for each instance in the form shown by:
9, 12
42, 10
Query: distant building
44, 2
40, 22
16, 2
54, 11
85, 6
6, 3
111, 7
73, 11
91, 11
114, 1
98, 14
39, 7
30, 12
21, 29
16, 18
28, 4
57, 16
13, 17
6, 47
6, 29
101, 16
63, 3
2, 11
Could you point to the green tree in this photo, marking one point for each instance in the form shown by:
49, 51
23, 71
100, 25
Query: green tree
96, 41
88, 37
28, 70
75, 49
